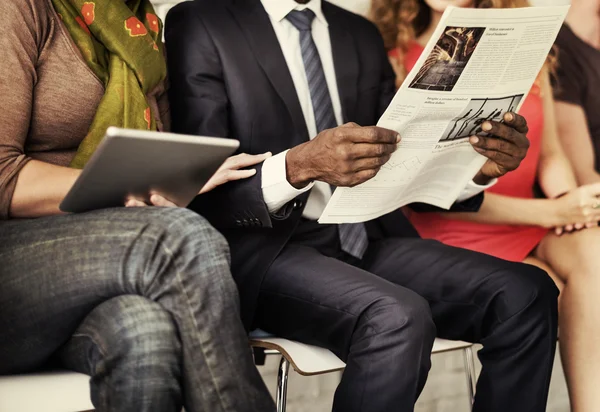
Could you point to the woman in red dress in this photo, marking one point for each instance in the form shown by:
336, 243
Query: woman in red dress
559, 234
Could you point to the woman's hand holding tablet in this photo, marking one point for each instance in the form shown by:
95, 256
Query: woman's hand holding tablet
131, 167
229, 171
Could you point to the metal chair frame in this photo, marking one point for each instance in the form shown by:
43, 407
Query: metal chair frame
284, 368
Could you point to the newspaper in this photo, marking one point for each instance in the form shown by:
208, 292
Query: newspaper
479, 64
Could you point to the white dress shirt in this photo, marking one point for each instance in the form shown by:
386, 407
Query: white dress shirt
277, 191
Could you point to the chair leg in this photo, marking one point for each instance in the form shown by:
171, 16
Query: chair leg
282, 378
470, 370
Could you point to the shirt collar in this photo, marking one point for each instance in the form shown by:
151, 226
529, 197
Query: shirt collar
278, 9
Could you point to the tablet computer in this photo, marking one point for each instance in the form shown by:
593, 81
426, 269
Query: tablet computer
135, 162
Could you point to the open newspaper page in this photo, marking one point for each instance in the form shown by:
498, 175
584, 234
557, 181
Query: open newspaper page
479, 64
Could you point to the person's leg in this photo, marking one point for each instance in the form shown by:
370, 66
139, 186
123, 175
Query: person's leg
55, 271
511, 308
382, 331
130, 347
575, 259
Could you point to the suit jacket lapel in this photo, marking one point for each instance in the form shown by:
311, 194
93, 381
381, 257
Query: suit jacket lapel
258, 30
345, 60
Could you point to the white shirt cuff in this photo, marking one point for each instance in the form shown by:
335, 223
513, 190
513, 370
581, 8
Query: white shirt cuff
277, 191
473, 189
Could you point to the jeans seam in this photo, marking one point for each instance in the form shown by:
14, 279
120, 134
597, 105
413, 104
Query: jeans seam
182, 289
37, 244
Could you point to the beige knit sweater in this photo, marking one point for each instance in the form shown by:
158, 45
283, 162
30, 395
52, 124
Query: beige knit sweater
48, 95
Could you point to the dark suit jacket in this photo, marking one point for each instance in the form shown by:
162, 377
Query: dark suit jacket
229, 78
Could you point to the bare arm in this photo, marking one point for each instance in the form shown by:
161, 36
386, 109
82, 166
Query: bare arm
555, 173
579, 207
576, 141
40, 189
505, 210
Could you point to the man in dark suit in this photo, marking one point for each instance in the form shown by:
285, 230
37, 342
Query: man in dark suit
281, 76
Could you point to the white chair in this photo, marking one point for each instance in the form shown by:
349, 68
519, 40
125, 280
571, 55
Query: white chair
63, 391
45, 392
310, 360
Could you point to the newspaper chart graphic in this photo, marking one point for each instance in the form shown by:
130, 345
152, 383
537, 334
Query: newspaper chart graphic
398, 170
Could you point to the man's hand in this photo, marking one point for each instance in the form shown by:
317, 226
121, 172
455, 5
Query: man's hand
505, 147
345, 156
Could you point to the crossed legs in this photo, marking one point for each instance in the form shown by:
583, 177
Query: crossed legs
56, 271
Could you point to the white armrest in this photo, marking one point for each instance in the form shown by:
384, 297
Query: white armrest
47, 392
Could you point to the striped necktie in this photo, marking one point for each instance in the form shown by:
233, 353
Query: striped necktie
353, 237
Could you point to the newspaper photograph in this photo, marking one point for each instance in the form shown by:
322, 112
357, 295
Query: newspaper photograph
446, 62
478, 65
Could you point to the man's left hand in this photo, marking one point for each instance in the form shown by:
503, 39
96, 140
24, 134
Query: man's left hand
505, 146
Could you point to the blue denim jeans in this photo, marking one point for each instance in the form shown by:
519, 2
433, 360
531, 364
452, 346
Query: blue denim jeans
142, 300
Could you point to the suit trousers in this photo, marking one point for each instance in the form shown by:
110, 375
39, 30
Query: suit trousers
382, 314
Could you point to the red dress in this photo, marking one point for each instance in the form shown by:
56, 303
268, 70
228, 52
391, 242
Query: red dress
507, 242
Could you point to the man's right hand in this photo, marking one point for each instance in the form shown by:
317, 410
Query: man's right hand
345, 156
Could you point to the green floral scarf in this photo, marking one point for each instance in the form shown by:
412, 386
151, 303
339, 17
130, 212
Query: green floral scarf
121, 43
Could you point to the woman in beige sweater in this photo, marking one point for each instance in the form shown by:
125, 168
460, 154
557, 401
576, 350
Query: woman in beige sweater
139, 298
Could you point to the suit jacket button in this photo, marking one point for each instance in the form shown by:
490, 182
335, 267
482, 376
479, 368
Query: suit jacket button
300, 204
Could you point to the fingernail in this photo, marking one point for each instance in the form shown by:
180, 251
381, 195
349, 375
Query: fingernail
474, 139
398, 138
268, 154
253, 171
509, 117
487, 126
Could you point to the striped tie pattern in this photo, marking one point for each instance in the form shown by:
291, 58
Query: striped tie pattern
353, 237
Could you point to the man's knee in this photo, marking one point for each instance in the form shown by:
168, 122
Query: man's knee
524, 288
402, 314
